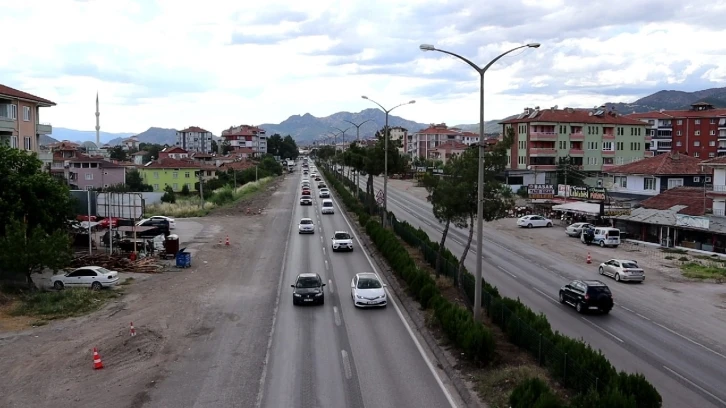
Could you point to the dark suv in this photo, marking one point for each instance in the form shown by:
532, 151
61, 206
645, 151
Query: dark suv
587, 295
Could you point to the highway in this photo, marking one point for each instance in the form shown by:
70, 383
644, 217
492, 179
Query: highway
686, 372
335, 355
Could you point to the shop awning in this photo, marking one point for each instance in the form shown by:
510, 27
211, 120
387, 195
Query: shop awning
579, 207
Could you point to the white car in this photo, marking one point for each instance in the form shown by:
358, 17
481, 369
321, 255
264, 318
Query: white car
622, 270
306, 226
324, 193
531, 221
342, 241
172, 222
575, 230
94, 277
327, 207
367, 290
305, 181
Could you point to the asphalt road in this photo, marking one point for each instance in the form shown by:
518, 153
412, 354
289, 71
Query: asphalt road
335, 355
686, 372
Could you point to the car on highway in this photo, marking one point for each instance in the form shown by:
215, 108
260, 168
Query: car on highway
305, 181
306, 226
324, 193
308, 288
94, 277
306, 200
317, 178
367, 290
575, 230
530, 221
313, 174
327, 207
322, 185
342, 241
587, 295
622, 270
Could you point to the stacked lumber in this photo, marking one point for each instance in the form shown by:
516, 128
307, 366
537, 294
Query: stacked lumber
118, 263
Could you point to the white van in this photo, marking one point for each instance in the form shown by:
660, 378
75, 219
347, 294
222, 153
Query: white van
327, 207
605, 236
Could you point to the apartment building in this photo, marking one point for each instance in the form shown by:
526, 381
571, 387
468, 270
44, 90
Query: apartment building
595, 140
421, 143
448, 150
698, 132
87, 173
195, 139
20, 125
399, 134
252, 137
175, 173
660, 130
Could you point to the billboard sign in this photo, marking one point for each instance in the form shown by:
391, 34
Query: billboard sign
540, 191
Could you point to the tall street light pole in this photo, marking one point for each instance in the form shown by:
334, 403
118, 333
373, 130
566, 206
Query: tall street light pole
334, 136
385, 155
342, 133
357, 139
480, 178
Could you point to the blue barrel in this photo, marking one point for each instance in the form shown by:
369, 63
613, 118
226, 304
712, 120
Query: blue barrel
183, 259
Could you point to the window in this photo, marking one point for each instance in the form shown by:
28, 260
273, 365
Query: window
156, 187
14, 142
712, 154
696, 143
712, 133
592, 145
680, 122
26, 113
697, 121
673, 183
607, 146
678, 143
592, 160
13, 111
186, 174
697, 133
696, 154
89, 188
678, 132
189, 186
89, 176
175, 174
708, 179
621, 181
712, 143
649, 183
28, 146
156, 174
620, 145
713, 121
696, 179
619, 160
176, 187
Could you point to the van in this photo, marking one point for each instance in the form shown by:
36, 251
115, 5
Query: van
327, 207
605, 236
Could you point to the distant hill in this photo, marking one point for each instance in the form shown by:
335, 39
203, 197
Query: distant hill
153, 135
672, 100
46, 140
490, 126
60, 133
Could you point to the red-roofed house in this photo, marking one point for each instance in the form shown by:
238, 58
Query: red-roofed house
447, 150
251, 137
654, 175
131, 143
173, 153
718, 189
194, 139
419, 144
691, 198
20, 125
84, 172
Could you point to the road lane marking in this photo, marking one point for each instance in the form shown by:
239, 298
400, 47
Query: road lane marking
628, 309
346, 365
321, 238
695, 385
690, 340
507, 272
326, 265
642, 317
420, 349
336, 315
323, 250
330, 281
546, 295
603, 330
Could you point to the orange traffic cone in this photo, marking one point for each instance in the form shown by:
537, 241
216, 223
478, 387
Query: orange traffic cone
97, 364
220, 240
133, 330
589, 258
226, 242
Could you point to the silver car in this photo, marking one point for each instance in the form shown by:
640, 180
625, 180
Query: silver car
622, 270
575, 230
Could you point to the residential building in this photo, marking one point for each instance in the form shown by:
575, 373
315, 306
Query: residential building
138, 157
718, 190
86, 173
419, 144
698, 132
173, 153
654, 175
447, 150
176, 173
252, 137
62, 153
397, 133
20, 125
244, 152
595, 140
660, 130
195, 139
131, 143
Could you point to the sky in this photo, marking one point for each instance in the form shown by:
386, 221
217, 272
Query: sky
218, 63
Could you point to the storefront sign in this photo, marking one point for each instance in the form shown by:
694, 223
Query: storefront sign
563, 190
597, 193
540, 191
616, 212
691, 221
578, 192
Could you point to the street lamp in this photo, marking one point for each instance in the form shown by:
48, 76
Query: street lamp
342, 133
357, 139
480, 179
385, 155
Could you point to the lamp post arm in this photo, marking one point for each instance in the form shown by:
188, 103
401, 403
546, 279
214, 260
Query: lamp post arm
468, 61
486, 67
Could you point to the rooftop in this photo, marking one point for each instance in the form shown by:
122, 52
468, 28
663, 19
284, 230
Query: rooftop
15, 93
716, 161
194, 129
598, 116
662, 164
169, 163
692, 199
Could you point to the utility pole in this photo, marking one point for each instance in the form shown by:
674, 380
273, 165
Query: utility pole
357, 139
201, 181
257, 151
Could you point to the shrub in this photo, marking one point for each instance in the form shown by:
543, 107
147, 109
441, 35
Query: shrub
169, 196
533, 392
426, 294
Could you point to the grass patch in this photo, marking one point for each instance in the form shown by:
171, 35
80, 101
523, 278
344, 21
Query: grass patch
186, 207
674, 251
696, 270
49, 305
496, 385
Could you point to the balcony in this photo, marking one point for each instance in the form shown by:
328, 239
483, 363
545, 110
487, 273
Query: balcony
722, 123
543, 167
44, 128
6, 124
718, 189
608, 153
663, 124
577, 136
608, 136
648, 138
718, 213
577, 152
542, 152
534, 136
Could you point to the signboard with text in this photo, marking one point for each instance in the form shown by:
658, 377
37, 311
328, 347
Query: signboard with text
597, 193
579, 192
540, 191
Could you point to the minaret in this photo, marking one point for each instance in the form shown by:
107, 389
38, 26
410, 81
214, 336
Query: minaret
98, 125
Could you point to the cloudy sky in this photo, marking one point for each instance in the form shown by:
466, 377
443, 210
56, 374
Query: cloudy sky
216, 63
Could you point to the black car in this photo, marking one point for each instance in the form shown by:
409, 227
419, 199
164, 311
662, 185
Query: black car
308, 289
587, 295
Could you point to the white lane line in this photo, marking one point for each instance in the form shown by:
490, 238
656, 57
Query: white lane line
628, 309
695, 385
323, 250
546, 295
690, 340
420, 349
330, 282
336, 315
346, 365
507, 272
642, 317
321, 238
604, 330
326, 265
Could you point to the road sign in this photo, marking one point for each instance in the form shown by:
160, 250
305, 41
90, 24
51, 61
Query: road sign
379, 197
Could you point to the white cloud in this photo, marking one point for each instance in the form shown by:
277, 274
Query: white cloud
179, 63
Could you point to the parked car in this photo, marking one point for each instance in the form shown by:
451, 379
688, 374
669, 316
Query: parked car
587, 295
575, 230
94, 277
161, 226
342, 241
308, 288
172, 221
531, 221
622, 270
306, 226
367, 290
603, 236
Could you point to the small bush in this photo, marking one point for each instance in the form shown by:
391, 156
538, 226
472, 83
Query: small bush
532, 393
426, 294
64, 303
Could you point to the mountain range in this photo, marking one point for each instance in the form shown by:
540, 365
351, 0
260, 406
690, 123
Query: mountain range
307, 128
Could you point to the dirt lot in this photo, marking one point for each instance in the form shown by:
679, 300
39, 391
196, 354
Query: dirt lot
52, 365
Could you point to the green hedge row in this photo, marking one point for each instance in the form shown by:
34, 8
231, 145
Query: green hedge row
535, 393
473, 338
573, 362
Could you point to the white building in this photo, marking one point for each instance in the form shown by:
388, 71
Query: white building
660, 130
194, 139
248, 136
423, 142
